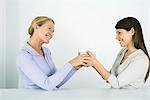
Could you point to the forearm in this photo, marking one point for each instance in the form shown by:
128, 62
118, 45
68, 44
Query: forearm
101, 70
67, 77
62, 76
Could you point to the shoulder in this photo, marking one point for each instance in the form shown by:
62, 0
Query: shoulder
23, 58
139, 60
22, 55
25, 52
139, 55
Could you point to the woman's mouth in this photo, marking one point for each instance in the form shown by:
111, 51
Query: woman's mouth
121, 42
48, 36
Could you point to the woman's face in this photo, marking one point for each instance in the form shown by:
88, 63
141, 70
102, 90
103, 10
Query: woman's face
45, 32
124, 37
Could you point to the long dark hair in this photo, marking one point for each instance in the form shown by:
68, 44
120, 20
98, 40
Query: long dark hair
138, 40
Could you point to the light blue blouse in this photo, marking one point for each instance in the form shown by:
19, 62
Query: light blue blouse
131, 73
38, 72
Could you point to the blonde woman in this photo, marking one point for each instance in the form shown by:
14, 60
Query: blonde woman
36, 67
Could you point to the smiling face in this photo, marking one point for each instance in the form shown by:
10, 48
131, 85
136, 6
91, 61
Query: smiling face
45, 31
124, 37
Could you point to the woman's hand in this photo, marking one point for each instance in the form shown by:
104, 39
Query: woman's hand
79, 61
91, 60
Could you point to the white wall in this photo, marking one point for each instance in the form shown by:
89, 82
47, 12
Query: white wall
12, 42
148, 34
148, 26
79, 24
2, 44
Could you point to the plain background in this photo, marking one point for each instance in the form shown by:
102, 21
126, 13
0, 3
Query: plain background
79, 24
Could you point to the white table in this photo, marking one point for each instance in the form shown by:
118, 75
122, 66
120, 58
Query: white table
76, 94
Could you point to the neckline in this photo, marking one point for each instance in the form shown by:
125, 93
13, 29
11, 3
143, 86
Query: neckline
36, 50
33, 51
129, 56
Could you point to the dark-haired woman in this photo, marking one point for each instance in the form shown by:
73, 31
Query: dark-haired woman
131, 67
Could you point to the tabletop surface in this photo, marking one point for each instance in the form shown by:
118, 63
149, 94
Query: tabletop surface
75, 94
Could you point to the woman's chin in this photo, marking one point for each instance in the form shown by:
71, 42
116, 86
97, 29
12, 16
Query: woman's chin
46, 42
122, 45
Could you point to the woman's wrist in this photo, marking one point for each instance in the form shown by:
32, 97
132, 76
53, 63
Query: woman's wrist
95, 64
71, 62
76, 67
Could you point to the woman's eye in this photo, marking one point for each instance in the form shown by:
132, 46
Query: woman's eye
119, 32
49, 28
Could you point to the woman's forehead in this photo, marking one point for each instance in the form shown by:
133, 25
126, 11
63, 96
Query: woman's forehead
49, 23
120, 30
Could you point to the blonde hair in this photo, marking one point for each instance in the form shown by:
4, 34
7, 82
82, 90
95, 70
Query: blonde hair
40, 20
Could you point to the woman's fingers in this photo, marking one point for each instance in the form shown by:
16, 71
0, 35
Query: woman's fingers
90, 54
87, 63
82, 61
84, 64
84, 55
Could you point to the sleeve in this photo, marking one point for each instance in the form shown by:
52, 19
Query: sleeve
30, 69
137, 68
66, 77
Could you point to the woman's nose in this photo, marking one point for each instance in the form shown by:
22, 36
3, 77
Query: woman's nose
116, 37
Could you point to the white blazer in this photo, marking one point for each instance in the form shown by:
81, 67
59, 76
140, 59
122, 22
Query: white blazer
131, 73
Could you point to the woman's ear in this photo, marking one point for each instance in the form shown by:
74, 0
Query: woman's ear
35, 26
132, 31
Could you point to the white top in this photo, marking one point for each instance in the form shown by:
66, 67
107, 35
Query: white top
131, 73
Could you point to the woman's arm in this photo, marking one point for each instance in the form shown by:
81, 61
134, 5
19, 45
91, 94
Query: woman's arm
101, 70
137, 68
92, 61
26, 64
